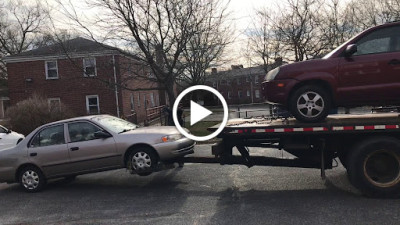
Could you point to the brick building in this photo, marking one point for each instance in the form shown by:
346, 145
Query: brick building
238, 85
87, 77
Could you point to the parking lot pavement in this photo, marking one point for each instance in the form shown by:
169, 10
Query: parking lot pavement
200, 194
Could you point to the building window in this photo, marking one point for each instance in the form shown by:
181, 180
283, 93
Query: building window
145, 101
238, 81
214, 84
157, 99
51, 70
257, 93
248, 93
89, 66
152, 99
229, 95
240, 94
228, 82
247, 79
54, 103
132, 102
138, 99
150, 75
256, 79
92, 104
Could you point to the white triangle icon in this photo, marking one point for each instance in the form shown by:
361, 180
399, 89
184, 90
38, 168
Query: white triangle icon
197, 113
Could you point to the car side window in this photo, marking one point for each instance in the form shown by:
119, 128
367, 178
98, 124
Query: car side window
397, 44
2, 130
82, 131
49, 136
378, 41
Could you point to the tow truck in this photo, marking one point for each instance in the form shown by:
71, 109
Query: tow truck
367, 145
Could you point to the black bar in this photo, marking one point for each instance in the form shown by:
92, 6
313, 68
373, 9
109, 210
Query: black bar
257, 161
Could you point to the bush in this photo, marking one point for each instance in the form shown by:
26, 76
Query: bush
33, 112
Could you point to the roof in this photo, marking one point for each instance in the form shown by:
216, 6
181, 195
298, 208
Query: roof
74, 47
234, 73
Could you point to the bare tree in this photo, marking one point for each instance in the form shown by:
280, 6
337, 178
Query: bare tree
206, 46
159, 31
335, 24
298, 27
20, 28
367, 13
264, 40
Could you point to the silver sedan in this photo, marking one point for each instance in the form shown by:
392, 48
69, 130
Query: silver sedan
90, 144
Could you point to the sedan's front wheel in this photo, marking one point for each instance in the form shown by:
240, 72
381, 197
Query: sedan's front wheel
142, 161
310, 103
32, 179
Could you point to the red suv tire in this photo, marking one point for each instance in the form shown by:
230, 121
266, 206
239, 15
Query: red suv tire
310, 103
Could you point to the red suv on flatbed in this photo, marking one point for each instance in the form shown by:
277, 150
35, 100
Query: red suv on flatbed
363, 71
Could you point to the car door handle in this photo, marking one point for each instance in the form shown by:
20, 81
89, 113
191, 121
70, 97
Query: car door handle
33, 154
394, 62
74, 148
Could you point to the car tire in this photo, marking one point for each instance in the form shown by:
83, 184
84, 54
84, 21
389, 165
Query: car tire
374, 167
310, 103
32, 179
142, 161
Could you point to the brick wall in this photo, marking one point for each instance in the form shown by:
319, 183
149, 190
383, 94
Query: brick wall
244, 84
136, 77
72, 87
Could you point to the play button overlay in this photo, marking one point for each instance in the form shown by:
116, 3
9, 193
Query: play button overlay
199, 112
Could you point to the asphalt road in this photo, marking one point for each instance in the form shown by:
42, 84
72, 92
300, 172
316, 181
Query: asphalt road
200, 194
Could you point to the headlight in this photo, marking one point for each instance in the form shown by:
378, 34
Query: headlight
172, 137
271, 74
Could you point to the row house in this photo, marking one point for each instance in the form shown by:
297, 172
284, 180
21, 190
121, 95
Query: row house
87, 77
238, 85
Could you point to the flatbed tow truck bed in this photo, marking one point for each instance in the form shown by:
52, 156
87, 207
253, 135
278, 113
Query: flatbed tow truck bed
367, 145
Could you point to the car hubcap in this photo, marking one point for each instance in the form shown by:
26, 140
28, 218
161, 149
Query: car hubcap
310, 104
30, 180
382, 168
141, 161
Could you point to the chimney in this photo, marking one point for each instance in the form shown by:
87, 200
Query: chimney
214, 70
236, 67
159, 56
278, 61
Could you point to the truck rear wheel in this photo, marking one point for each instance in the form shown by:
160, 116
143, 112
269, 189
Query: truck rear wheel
374, 167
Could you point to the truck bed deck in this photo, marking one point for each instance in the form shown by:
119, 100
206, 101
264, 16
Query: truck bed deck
333, 123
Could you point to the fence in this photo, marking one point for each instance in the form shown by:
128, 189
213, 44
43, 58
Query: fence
154, 114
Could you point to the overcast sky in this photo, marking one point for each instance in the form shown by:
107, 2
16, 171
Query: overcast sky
241, 13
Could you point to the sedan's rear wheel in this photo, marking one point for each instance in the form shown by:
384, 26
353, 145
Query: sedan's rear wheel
310, 103
143, 161
32, 179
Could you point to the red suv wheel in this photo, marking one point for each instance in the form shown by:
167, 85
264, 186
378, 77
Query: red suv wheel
310, 103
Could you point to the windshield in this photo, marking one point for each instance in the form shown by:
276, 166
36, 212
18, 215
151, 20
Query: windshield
115, 124
337, 49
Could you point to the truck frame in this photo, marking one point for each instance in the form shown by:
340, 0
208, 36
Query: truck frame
367, 145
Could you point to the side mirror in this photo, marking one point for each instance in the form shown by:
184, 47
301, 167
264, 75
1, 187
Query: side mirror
350, 50
102, 134
8, 132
